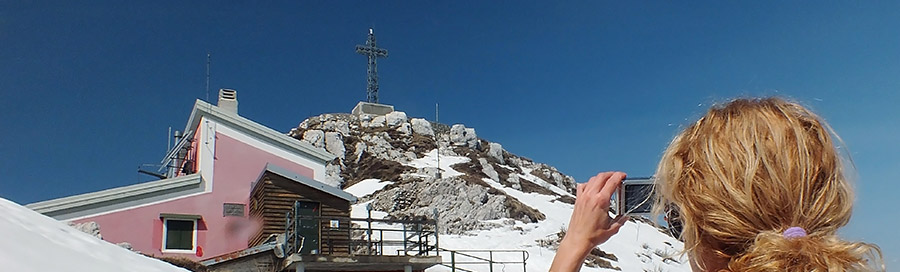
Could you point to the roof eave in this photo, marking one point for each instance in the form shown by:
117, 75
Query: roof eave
274, 169
112, 194
202, 108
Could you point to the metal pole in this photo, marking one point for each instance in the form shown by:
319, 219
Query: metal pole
419, 233
369, 231
404, 239
437, 140
453, 261
437, 244
350, 235
491, 260
524, 267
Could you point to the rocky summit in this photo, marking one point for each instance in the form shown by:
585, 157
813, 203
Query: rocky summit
388, 147
480, 191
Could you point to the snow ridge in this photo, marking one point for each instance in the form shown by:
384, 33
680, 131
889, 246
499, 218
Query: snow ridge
34, 242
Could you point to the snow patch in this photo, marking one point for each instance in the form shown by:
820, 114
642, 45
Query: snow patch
34, 242
431, 160
367, 187
638, 246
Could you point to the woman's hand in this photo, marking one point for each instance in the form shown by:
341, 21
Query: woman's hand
590, 224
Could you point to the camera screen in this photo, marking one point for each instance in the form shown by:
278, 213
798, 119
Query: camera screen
637, 198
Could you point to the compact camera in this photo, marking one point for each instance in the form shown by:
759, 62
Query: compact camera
634, 197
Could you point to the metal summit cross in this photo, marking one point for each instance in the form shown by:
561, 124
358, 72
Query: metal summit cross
372, 52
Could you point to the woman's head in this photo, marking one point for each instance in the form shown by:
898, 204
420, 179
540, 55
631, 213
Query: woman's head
747, 171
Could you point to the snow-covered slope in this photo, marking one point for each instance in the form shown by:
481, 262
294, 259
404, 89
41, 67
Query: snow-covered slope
637, 247
487, 198
34, 242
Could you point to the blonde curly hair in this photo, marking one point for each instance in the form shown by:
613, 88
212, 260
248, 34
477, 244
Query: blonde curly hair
752, 168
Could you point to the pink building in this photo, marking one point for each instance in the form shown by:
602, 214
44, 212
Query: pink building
200, 209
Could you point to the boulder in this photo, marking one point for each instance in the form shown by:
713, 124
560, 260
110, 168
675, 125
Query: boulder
360, 148
405, 129
315, 137
495, 150
514, 180
378, 121
489, 170
337, 125
334, 144
460, 135
395, 118
422, 126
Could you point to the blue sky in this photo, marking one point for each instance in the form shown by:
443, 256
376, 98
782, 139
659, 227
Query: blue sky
88, 90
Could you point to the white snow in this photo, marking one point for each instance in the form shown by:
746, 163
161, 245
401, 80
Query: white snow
34, 242
638, 246
367, 187
431, 160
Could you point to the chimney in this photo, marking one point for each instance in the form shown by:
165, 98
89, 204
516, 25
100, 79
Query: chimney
228, 100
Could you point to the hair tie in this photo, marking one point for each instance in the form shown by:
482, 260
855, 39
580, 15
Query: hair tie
794, 232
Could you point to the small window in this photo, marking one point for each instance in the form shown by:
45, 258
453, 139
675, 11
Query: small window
179, 234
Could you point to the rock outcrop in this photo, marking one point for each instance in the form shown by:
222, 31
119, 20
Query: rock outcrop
382, 147
421, 126
460, 135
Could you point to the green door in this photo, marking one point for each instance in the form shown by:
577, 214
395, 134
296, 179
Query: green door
309, 228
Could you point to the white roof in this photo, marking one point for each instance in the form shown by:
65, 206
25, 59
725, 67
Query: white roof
34, 242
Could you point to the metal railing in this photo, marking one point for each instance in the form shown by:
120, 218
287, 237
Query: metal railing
484, 260
363, 236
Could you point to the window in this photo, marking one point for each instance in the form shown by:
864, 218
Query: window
179, 235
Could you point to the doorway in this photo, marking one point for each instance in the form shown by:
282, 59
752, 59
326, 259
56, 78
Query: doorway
309, 228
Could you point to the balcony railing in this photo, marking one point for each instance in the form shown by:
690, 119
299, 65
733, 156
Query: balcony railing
362, 236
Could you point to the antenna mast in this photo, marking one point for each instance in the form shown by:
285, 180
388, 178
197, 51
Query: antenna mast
207, 76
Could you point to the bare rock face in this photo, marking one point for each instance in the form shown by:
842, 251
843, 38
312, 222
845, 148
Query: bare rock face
359, 148
340, 126
460, 135
395, 118
405, 129
333, 175
462, 206
422, 127
334, 144
488, 170
514, 181
381, 147
495, 150
378, 121
315, 138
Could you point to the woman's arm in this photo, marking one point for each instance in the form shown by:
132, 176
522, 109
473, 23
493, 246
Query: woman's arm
590, 224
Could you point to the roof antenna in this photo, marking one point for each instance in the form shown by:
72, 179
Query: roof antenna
207, 76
